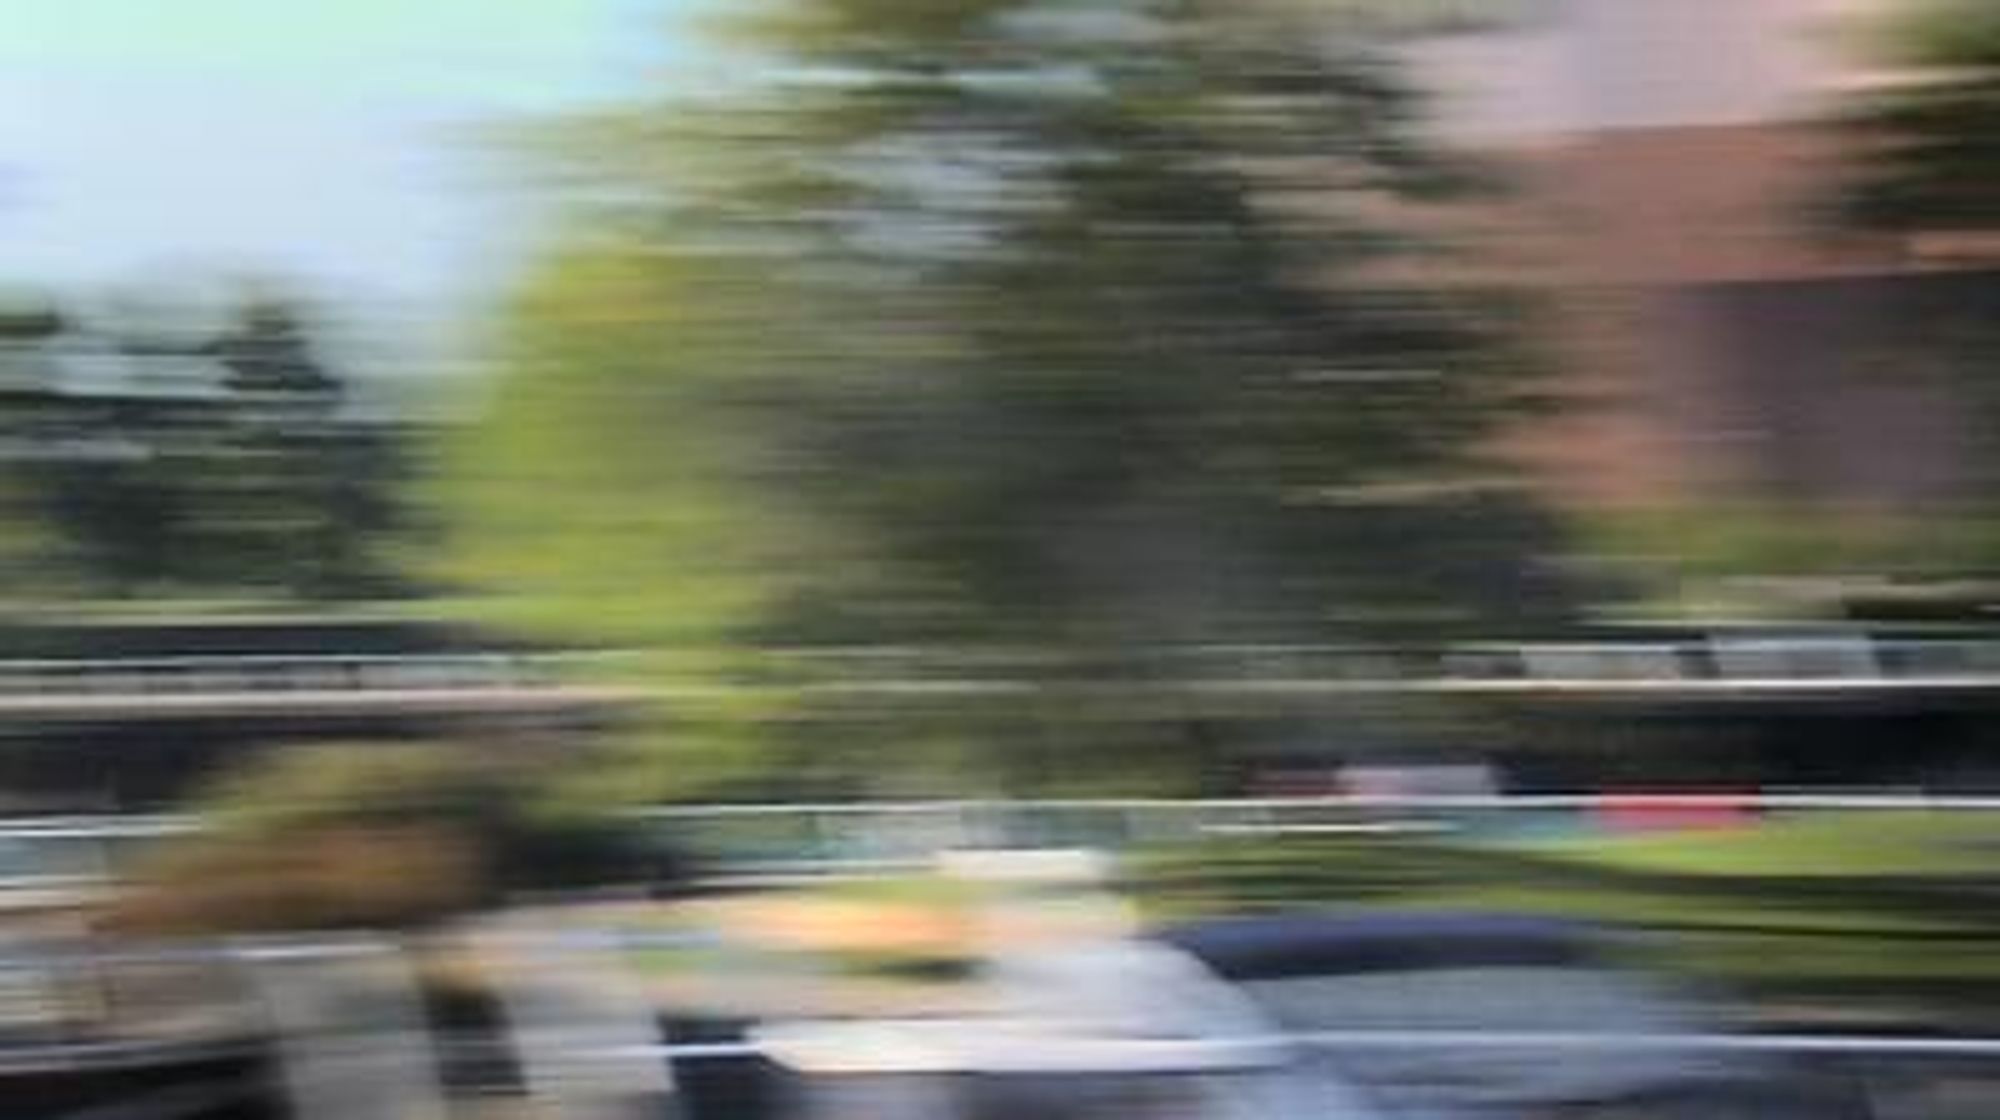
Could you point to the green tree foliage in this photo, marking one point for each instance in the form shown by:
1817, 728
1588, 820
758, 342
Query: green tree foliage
1090, 328
168, 455
31, 552
1931, 145
604, 491
1927, 162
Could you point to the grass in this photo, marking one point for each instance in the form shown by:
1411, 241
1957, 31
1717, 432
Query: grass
1914, 844
1900, 909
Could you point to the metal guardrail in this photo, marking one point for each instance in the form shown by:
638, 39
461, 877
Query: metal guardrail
790, 840
813, 840
1804, 802
1720, 658
1720, 663
1576, 1041
207, 674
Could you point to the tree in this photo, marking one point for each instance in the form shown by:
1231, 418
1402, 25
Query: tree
173, 449
1929, 146
1926, 164
373, 836
296, 493
1088, 329
31, 549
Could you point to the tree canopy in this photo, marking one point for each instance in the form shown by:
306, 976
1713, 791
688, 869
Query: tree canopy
164, 448
1929, 145
1090, 327
1925, 167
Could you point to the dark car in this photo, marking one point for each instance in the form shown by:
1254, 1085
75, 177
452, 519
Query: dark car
1378, 1017
1450, 1015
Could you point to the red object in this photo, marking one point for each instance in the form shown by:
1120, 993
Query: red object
1675, 812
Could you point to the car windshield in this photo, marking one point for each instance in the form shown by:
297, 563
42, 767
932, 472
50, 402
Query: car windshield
1485, 998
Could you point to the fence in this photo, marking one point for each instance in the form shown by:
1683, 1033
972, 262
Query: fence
1719, 663
780, 840
859, 837
209, 675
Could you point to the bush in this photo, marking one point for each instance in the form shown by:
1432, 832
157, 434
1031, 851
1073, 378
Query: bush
371, 836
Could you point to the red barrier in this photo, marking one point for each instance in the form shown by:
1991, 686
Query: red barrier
1675, 812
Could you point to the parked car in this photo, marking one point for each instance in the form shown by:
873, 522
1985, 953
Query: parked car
1367, 1017
1369, 987
1124, 1029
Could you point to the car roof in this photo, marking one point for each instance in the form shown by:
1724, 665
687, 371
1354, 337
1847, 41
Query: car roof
1339, 944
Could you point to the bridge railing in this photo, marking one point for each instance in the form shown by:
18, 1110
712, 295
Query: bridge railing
1723, 659
207, 675
1858, 662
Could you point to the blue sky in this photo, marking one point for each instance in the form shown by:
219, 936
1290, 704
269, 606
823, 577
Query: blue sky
323, 138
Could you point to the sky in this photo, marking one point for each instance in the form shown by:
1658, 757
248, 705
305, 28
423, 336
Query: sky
333, 140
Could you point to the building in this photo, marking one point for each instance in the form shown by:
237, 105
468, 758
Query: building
1715, 341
